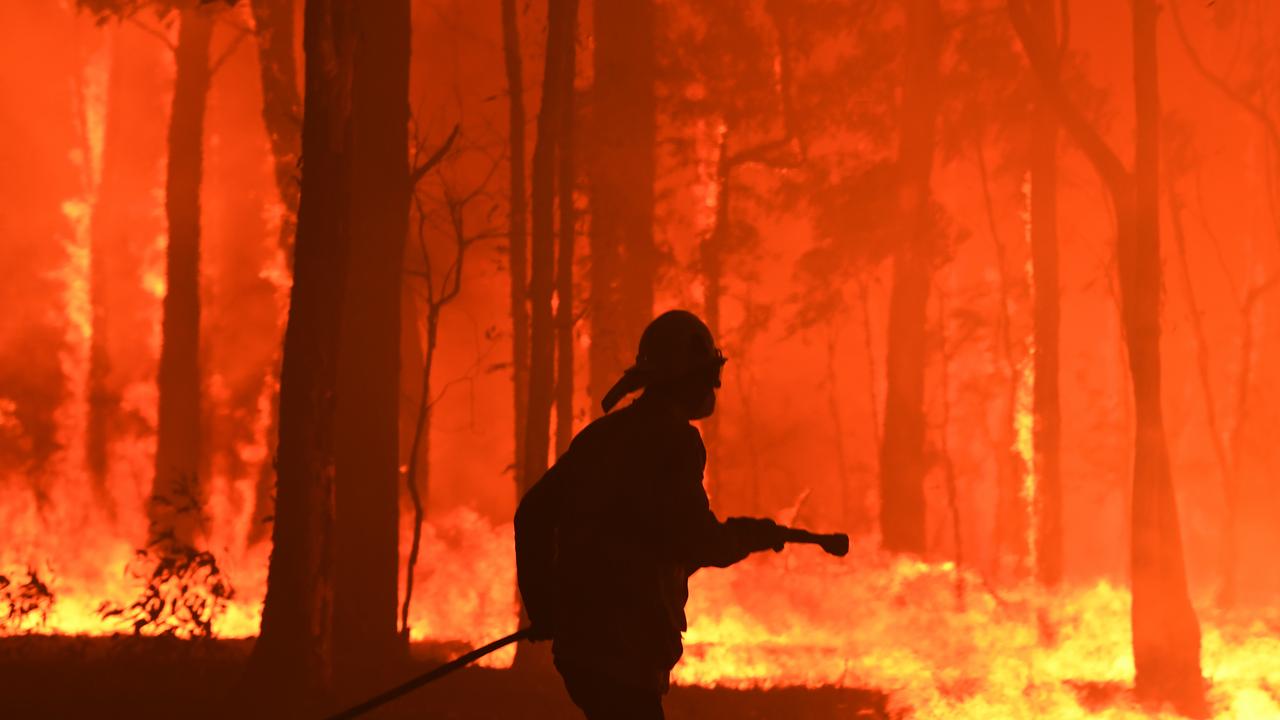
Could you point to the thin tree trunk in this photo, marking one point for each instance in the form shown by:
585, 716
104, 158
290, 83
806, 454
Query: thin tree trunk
366, 528
564, 259
281, 104
418, 478
541, 282
1047, 431
902, 454
282, 116
541, 390
290, 670
1166, 633
621, 168
517, 234
178, 432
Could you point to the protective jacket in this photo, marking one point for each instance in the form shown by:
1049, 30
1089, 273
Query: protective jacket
608, 537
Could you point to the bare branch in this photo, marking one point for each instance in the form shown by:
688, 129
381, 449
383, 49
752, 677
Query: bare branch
1232, 94
435, 158
1104, 159
230, 49
157, 34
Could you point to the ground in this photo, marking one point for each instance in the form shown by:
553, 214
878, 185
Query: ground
137, 678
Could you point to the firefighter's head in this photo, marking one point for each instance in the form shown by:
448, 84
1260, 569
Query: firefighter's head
678, 359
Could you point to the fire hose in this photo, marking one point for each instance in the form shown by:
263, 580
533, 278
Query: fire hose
436, 674
836, 544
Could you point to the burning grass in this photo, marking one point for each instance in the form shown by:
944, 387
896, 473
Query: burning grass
898, 625
795, 620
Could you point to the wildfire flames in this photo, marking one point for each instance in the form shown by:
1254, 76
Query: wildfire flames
942, 640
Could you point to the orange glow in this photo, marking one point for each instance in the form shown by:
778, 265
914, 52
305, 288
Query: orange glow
804, 315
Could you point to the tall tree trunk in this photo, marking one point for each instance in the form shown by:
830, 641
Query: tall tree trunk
541, 280
1166, 633
282, 116
366, 525
123, 223
1044, 261
292, 662
517, 235
902, 453
178, 432
541, 389
281, 104
621, 174
564, 259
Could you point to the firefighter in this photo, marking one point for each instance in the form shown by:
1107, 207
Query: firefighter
608, 537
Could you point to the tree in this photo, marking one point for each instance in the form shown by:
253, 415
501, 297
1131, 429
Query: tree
178, 424
560, 23
517, 236
902, 452
437, 289
1166, 633
366, 450
1044, 260
620, 172
282, 116
292, 661
566, 183
1227, 451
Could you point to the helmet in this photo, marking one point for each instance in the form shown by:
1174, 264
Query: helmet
676, 346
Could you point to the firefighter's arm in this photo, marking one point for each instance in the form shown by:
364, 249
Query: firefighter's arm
691, 531
535, 530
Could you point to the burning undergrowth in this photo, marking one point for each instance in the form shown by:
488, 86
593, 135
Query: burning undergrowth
183, 592
24, 607
942, 643
946, 645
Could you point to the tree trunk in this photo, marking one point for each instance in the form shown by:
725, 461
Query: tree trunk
366, 524
178, 433
123, 223
902, 453
418, 476
517, 235
281, 105
282, 116
541, 281
1166, 633
621, 175
1044, 261
291, 664
564, 259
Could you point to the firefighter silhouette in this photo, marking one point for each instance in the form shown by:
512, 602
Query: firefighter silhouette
607, 539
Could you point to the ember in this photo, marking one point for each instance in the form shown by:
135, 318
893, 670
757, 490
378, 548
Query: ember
989, 285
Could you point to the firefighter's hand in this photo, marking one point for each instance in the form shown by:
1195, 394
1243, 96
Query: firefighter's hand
759, 533
540, 631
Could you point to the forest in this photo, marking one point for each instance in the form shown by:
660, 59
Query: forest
302, 296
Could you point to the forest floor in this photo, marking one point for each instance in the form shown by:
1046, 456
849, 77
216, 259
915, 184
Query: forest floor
136, 678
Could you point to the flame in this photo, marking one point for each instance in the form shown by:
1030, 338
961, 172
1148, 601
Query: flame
1024, 417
